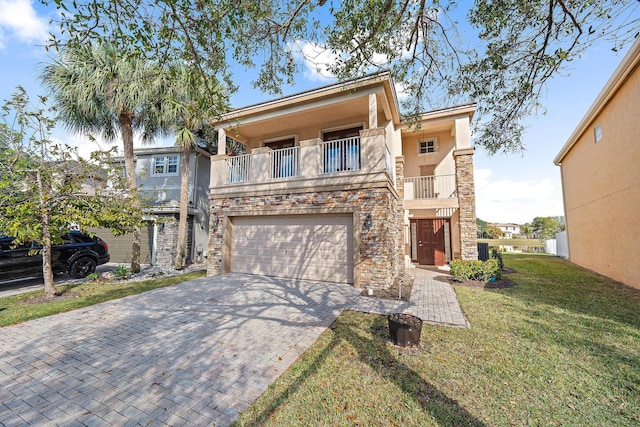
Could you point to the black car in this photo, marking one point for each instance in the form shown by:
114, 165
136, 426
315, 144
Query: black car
77, 256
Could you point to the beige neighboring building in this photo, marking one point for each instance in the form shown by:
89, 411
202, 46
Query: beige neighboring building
600, 167
335, 186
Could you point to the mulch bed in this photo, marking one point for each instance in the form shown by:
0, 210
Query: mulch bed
403, 282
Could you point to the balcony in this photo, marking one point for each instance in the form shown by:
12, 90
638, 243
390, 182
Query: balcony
424, 192
343, 163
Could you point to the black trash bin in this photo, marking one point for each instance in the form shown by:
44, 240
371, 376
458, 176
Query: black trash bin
483, 251
405, 329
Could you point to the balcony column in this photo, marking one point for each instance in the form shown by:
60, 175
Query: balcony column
310, 158
222, 142
467, 201
462, 133
218, 174
373, 111
372, 154
260, 170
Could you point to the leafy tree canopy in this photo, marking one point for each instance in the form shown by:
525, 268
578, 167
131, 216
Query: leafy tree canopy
547, 227
513, 47
47, 188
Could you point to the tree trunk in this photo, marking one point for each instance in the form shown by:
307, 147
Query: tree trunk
184, 209
47, 271
126, 128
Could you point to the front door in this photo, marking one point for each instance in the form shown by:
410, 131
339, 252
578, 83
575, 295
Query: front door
430, 241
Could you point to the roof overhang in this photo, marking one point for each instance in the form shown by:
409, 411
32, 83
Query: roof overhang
627, 66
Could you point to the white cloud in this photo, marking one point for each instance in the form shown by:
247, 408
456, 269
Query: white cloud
507, 200
316, 60
19, 19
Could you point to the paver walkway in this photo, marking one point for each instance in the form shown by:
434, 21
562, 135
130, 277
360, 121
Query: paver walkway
194, 354
432, 299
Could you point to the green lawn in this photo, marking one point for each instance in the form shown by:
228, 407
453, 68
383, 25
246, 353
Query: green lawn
560, 348
16, 309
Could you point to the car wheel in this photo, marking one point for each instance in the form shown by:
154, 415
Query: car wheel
82, 267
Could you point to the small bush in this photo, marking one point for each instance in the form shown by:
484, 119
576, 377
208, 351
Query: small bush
495, 253
93, 276
121, 272
475, 270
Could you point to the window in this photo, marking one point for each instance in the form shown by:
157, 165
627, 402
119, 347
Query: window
597, 131
426, 146
166, 165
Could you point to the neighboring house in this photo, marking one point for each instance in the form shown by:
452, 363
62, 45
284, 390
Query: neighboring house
158, 176
337, 187
509, 231
601, 178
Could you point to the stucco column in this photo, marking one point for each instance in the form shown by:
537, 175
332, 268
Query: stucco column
311, 157
467, 201
260, 170
222, 142
373, 111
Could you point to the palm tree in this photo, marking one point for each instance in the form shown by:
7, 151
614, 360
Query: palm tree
98, 89
194, 101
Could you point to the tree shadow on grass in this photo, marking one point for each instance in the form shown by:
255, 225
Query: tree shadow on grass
374, 351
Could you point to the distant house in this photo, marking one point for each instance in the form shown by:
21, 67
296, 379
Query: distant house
601, 178
509, 231
158, 177
336, 186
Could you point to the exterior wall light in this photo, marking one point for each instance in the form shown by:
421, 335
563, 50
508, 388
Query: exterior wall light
216, 222
367, 222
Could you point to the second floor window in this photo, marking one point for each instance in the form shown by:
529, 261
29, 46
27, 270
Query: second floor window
165, 165
426, 146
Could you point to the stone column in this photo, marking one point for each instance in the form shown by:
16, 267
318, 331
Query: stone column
400, 212
467, 201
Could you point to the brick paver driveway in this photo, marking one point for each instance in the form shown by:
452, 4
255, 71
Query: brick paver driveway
192, 354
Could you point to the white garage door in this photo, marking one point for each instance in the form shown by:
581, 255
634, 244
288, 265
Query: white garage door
304, 247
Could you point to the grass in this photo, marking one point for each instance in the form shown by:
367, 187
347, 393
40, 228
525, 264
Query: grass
562, 347
16, 309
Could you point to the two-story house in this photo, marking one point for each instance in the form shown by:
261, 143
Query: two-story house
336, 186
158, 173
600, 178
509, 230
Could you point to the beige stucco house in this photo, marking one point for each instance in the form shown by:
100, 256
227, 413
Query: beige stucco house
601, 178
335, 186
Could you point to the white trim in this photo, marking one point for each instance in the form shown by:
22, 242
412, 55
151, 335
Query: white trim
165, 165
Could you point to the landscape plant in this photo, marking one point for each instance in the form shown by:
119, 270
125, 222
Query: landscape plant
47, 188
463, 270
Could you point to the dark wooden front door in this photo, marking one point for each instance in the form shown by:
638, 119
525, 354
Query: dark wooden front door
430, 241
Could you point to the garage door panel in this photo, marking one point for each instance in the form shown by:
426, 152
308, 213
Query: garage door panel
309, 247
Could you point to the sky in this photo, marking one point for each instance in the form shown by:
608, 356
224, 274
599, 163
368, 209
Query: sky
510, 188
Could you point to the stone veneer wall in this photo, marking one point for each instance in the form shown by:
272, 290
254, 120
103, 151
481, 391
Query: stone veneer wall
380, 260
402, 248
467, 200
168, 240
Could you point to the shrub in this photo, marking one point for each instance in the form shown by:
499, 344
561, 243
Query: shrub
495, 253
475, 270
121, 272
